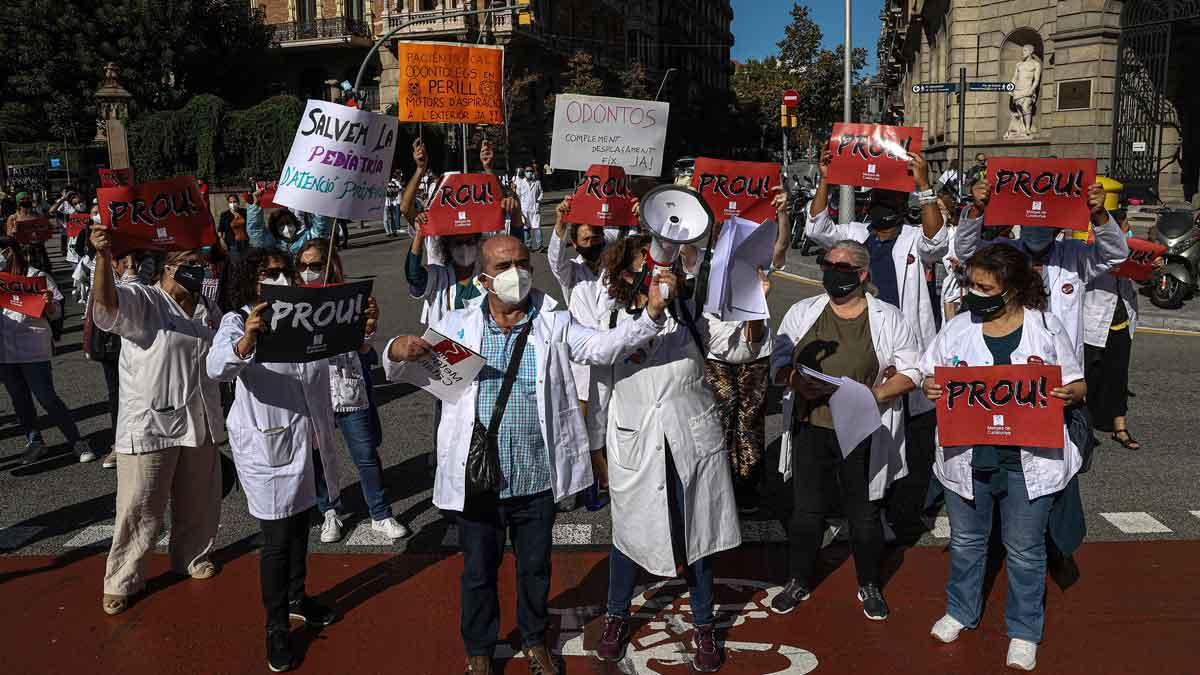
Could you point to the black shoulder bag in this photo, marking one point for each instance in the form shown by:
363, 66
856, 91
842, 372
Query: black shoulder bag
483, 459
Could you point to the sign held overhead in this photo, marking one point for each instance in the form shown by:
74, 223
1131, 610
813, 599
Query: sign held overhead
621, 132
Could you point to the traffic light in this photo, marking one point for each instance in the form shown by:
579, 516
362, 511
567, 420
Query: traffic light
524, 13
788, 119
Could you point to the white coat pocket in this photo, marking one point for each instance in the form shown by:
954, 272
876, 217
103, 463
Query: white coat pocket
169, 423
707, 436
567, 432
274, 445
628, 453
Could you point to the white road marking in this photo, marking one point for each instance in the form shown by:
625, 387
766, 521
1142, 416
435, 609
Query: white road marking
99, 536
363, 535
1135, 522
941, 527
564, 534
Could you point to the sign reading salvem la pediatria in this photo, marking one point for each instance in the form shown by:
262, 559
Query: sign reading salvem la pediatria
306, 323
340, 162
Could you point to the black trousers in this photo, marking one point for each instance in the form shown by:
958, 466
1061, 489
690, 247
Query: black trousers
482, 527
821, 480
283, 565
1106, 370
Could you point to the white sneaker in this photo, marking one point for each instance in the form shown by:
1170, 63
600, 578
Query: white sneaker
84, 451
331, 529
390, 528
946, 629
1022, 654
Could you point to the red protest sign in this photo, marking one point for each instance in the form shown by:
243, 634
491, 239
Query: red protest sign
116, 177
737, 189
1049, 192
1140, 263
465, 203
603, 198
1000, 405
23, 294
78, 222
267, 199
34, 230
873, 155
162, 215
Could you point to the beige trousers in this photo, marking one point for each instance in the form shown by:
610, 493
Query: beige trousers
190, 479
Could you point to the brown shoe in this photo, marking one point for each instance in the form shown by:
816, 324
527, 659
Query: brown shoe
204, 570
540, 660
114, 604
479, 665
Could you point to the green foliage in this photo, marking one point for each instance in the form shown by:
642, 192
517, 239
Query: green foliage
801, 39
633, 81
206, 139
581, 77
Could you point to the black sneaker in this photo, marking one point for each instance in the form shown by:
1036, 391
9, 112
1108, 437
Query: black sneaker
35, 451
793, 594
872, 601
312, 612
279, 651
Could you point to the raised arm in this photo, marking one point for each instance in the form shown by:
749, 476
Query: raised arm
592, 347
933, 244
556, 253
409, 200
1110, 249
783, 235
234, 345
969, 235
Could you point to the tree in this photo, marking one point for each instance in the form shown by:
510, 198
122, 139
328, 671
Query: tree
633, 81
167, 51
801, 39
581, 77
758, 86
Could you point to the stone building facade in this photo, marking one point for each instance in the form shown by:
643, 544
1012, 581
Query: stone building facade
1067, 59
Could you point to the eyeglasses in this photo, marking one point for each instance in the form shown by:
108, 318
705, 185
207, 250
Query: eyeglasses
825, 264
318, 266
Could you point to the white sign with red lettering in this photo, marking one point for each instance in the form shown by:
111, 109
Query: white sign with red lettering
446, 372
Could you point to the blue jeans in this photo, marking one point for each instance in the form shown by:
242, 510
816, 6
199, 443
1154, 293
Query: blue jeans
363, 445
26, 380
623, 572
391, 219
1023, 524
485, 520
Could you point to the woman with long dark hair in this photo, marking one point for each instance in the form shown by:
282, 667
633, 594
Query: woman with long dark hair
1006, 323
279, 411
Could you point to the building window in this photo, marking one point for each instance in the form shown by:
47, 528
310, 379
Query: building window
306, 11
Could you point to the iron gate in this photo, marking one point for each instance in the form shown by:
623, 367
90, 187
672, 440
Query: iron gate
1143, 59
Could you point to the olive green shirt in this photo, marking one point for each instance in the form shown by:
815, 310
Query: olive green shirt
838, 347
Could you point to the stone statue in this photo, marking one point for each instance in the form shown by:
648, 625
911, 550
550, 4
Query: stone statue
1026, 79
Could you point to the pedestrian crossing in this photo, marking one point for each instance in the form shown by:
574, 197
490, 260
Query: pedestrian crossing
1104, 525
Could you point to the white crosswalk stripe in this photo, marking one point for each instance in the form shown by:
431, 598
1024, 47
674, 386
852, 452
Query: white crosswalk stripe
363, 535
564, 534
98, 536
941, 528
1135, 522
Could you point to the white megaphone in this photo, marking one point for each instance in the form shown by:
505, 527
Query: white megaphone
673, 216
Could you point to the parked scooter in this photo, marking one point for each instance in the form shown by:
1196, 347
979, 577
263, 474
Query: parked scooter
801, 192
1178, 230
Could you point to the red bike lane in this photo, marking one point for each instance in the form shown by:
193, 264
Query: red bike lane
1132, 610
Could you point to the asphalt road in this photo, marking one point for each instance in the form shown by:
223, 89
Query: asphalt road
59, 504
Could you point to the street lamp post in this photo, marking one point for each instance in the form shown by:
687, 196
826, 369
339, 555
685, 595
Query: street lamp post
846, 210
664, 82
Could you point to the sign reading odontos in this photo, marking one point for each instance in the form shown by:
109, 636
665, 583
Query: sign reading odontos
618, 131
447, 82
340, 162
307, 323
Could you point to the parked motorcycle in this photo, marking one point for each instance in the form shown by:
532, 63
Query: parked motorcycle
801, 192
1179, 231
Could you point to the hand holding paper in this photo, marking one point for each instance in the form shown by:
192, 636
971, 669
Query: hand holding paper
440, 366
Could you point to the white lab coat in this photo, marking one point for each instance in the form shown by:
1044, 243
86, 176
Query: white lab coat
1100, 303
167, 400
442, 291
726, 342
952, 290
1047, 471
660, 402
591, 306
1071, 265
895, 344
911, 253
279, 411
529, 192
557, 341
569, 272
25, 339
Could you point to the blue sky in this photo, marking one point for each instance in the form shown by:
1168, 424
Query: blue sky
758, 25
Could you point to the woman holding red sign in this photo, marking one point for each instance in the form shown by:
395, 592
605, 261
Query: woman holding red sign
1007, 323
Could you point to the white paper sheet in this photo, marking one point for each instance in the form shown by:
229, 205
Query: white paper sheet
734, 289
855, 414
448, 371
818, 375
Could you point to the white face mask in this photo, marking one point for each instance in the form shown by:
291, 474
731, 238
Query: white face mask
309, 277
280, 280
464, 255
232, 205
96, 218
287, 232
512, 285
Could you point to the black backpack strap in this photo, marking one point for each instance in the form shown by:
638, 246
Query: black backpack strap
688, 322
510, 377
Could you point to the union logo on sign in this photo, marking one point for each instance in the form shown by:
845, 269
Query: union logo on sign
1036, 206
871, 169
997, 420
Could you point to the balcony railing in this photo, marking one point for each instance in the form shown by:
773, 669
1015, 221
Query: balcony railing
317, 29
438, 21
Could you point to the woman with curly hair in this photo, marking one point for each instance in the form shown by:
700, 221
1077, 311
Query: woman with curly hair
280, 410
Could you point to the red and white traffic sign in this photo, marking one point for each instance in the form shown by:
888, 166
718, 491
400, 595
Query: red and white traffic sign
791, 98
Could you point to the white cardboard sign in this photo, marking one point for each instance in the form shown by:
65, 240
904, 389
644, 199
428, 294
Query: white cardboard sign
448, 371
340, 162
623, 132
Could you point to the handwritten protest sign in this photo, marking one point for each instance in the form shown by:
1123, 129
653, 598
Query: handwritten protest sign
1000, 405
447, 82
448, 371
30, 177
162, 215
116, 177
307, 323
340, 162
34, 231
737, 189
873, 155
1140, 263
23, 294
78, 222
603, 198
620, 132
1049, 192
465, 203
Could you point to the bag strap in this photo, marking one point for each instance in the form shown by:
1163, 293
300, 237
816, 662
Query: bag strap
687, 321
510, 377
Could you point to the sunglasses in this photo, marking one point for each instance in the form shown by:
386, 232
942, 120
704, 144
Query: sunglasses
318, 266
271, 272
839, 266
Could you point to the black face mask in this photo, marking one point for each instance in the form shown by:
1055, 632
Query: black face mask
191, 277
883, 217
839, 283
591, 253
984, 307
